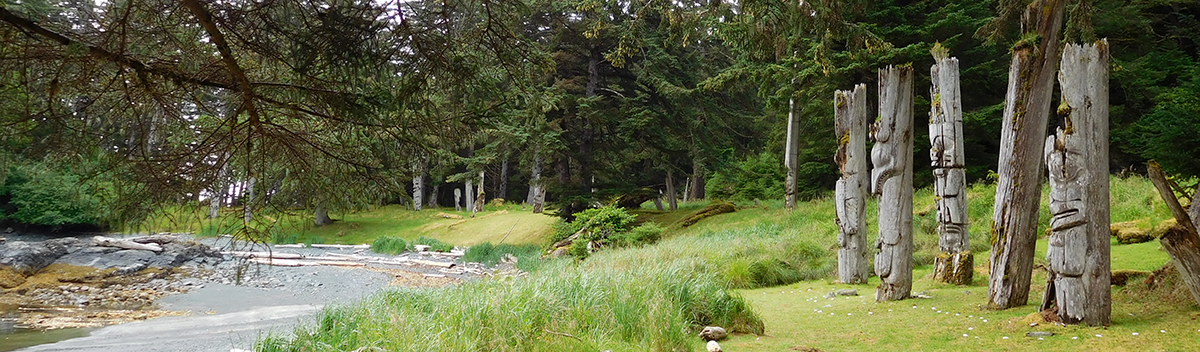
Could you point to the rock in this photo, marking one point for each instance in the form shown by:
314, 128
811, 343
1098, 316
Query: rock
847, 292
1039, 334
713, 346
26, 258
559, 252
713, 333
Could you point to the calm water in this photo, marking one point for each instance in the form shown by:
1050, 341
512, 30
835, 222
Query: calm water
13, 338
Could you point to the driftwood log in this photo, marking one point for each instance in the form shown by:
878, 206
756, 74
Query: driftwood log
1023, 131
891, 180
850, 125
1182, 242
126, 244
1079, 280
954, 264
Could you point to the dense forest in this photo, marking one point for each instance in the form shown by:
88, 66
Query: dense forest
112, 110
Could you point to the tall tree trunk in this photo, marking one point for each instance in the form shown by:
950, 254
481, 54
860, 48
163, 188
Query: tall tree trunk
418, 184
955, 264
1026, 112
850, 124
697, 183
891, 179
687, 188
220, 191
535, 176
502, 192
321, 216
248, 206
672, 197
791, 156
433, 197
658, 205
1077, 156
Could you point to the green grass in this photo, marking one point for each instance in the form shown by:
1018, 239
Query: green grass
363, 226
559, 309
434, 244
490, 254
773, 257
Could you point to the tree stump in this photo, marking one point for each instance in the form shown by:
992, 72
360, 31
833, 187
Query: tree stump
850, 124
955, 264
1077, 158
891, 179
1023, 130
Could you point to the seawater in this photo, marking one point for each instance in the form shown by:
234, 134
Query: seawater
13, 338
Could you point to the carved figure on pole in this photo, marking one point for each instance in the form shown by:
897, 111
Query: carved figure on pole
1077, 157
955, 263
850, 124
891, 180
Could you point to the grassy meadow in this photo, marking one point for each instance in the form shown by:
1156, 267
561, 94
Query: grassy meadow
762, 272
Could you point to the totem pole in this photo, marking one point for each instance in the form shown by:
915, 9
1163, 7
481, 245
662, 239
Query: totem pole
955, 263
850, 124
891, 180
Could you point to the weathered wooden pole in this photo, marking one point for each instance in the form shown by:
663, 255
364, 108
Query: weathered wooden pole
479, 198
1182, 241
248, 204
955, 264
1077, 158
891, 179
791, 156
535, 175
850, 124
469, 194
1023, 130
457, 199
418, 184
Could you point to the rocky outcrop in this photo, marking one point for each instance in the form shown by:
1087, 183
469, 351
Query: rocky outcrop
20, 259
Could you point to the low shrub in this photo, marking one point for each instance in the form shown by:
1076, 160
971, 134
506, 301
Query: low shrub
390, 245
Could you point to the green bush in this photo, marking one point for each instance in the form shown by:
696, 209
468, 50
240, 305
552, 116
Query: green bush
390, 245
645, 233
39, 195
756, 177
434, 244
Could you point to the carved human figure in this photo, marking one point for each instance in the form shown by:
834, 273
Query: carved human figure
891, 179
851, 190
1076, 156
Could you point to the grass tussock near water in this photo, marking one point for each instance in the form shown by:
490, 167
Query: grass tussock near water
562, 308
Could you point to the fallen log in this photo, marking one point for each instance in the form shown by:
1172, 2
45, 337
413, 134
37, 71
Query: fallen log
297, 245
336, 263
159, 239
113, 242
432, 263
282, 262
341, 246
272, 255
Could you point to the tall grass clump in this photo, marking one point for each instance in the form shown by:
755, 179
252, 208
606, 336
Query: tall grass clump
390, 245
562, 308
434, 244
490, 254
